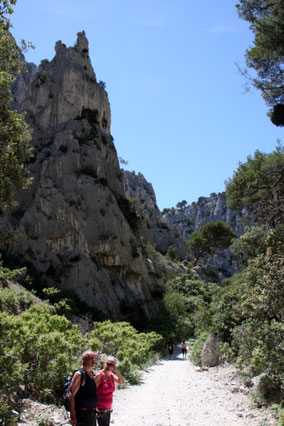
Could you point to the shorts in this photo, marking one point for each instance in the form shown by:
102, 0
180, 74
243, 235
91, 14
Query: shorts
103, 417
184, 351
86, 418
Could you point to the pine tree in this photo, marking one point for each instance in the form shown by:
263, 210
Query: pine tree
14, 132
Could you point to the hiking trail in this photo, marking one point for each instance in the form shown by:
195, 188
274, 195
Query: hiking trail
174, 393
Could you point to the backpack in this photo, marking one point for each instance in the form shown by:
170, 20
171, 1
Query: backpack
66, 387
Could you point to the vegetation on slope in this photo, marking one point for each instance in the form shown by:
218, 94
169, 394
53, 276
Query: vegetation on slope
246, 312
39, 347
14, 132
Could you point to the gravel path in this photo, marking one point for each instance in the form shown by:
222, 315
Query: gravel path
174, 393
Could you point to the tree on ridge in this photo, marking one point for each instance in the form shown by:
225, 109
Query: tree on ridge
210, 238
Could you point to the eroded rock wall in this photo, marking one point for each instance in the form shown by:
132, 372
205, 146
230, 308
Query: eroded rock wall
72, 223
190, 218
158, 231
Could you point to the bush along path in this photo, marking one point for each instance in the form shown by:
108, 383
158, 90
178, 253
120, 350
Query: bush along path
172, 393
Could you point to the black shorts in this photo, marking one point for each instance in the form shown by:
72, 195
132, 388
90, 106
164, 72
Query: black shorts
184, 351
86, 418
103, 417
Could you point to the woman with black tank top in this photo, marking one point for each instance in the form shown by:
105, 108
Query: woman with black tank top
83, 397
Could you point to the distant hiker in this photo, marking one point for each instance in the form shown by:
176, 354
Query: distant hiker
83, 397
170, 348
184, 349
105, 380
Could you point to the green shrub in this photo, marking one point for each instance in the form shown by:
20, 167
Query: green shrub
175, 304
278, 410
14, 302
195, 355
190, 300
172, 253
131, 212
61, 304
123, 341
65, 302
37, 349
6, 415
16, 275
250, 244
259, 338
224, 318
42, 76
227, 352
177, 319
132, 376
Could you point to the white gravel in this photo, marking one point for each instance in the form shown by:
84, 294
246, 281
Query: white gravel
174, 393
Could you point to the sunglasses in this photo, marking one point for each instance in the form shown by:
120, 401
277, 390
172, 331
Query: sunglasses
109, 364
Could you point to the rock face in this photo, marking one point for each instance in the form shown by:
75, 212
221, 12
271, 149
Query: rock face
74, 223
65, 89
162, 234
189, 219
211, 354
206, 209
20, 86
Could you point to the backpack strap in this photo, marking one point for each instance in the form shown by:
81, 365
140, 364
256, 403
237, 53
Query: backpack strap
83, 375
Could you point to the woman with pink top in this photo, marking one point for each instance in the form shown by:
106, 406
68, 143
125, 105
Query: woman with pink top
105, 381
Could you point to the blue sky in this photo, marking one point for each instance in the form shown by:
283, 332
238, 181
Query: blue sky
180, 114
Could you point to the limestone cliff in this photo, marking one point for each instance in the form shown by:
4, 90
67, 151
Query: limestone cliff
163, 235
74, 224
190, 218
19, 87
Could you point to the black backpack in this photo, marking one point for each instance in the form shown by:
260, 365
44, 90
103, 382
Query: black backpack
66, 387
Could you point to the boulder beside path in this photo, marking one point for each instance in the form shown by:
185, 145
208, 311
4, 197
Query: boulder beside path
211, 354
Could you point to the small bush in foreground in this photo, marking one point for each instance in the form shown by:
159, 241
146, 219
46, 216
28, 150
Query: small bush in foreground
133, 349
37, 349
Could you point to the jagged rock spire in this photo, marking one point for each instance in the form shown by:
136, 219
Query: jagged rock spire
82, 44
65, 88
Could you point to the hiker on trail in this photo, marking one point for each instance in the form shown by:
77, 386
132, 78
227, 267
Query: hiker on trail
184, 349
83, 396
105, 380
170, 348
